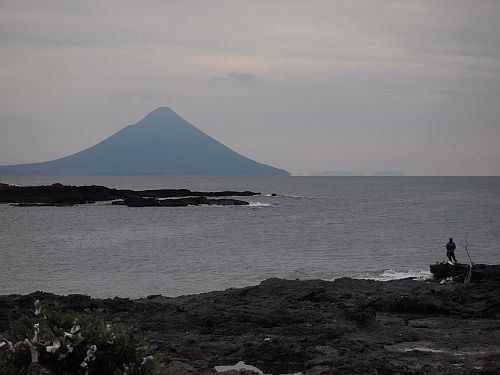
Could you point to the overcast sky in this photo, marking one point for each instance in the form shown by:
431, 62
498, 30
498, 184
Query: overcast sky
308, 86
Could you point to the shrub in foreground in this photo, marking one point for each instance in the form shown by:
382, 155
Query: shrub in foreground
74, 343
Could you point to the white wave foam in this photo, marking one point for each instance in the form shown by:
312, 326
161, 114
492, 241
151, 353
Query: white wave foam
388, 275
422, 349
242, 366
259, 204
299, 196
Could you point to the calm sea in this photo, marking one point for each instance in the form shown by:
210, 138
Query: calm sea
317, 227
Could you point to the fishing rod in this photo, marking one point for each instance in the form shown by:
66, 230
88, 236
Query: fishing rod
465, 245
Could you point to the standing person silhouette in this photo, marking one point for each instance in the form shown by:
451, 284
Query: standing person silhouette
450, 250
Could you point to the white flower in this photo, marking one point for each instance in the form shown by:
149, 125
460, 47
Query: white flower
54, 347
4, 341
113, 336
74, 329
70, 348
83, 364
148, 358
37, 331
66, 334
90, 354
38, 308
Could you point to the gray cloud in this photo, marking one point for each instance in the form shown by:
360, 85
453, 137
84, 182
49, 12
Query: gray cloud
242, 77
238, 78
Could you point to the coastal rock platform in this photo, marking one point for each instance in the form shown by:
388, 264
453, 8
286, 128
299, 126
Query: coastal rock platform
459, 271
311, 327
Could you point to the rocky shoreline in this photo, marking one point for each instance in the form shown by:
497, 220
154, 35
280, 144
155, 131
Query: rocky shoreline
312, 327
64, 195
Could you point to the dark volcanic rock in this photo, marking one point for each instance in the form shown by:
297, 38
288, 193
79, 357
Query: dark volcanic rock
460, 271
178, 202
62, 195
317, 327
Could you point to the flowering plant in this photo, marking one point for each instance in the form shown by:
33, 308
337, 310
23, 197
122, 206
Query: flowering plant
74, 343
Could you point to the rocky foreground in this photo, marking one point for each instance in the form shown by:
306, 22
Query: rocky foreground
313, 327
65, 195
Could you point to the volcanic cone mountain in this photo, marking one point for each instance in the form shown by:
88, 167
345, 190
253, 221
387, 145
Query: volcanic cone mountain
162, 143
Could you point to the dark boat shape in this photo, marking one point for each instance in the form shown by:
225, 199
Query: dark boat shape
459, 271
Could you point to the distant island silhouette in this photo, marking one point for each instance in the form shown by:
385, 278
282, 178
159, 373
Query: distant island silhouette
336, 173
357, 174
389, 173
162, 143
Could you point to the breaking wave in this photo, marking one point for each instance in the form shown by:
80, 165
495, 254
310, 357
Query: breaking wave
259, 204
388, 275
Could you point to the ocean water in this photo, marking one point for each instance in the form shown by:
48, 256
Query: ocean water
317, 227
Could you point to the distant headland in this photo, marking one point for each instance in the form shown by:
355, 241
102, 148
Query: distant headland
357, 174
162, 143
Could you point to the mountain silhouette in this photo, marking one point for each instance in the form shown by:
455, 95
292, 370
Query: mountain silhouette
162, 143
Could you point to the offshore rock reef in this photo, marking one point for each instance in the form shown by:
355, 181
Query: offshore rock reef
313, 327
63, 195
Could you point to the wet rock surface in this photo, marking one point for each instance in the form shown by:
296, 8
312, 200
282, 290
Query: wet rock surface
179, 202
64, 195
459, 271
314, 327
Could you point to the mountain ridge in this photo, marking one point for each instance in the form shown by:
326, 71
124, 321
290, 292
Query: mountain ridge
162, 143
